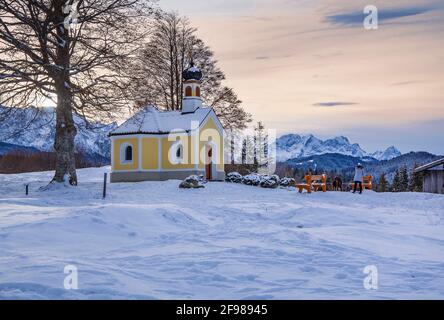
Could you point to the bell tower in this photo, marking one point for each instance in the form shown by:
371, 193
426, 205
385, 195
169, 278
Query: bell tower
191, 89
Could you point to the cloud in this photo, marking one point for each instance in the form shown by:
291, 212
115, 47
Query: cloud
328, 55
262, 58
404, 83
357, 17
334, 104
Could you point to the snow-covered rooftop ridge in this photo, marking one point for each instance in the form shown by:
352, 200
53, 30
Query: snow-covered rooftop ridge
150, 120
430, 165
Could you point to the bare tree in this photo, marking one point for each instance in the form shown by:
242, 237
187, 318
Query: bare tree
69, 51
158, 72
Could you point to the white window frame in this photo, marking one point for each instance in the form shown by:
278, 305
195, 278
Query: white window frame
173, 153
123, 153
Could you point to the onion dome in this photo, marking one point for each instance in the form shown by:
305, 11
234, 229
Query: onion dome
192, 73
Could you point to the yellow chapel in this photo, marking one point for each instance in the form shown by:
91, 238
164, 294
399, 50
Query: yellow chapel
158, 145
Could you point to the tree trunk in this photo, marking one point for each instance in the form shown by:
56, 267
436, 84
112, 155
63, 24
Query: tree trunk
66, 131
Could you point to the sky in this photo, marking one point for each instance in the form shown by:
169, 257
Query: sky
310, 66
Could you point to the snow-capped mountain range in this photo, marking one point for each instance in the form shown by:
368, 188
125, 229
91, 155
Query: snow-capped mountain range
293, 146
34, 127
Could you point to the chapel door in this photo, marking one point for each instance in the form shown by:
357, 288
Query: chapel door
208, 163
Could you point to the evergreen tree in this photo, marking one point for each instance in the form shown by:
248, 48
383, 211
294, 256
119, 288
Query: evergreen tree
383, 185
244, 151
248, 151
404, 176
416, 180
396, 186
260, 146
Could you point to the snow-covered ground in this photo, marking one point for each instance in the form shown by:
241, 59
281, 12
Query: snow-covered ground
152, 240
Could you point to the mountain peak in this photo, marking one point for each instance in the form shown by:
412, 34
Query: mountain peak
91, 138
342, 139
293, 146
388, 154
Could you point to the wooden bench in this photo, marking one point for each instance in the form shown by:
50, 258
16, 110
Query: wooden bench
367, 183
313, 183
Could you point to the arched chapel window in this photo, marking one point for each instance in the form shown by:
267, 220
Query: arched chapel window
179, 152
129, 153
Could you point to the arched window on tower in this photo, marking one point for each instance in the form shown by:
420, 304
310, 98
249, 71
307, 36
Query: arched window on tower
198, 92
188, 91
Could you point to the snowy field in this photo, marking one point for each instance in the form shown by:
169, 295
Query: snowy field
153, 241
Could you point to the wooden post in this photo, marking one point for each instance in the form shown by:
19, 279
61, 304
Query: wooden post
104, 184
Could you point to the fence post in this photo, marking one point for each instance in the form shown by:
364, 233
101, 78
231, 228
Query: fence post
104, 184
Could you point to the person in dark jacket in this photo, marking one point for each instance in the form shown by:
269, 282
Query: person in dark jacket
359, 177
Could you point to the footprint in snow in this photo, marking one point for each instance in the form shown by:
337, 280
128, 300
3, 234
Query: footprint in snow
98, 221
308, 269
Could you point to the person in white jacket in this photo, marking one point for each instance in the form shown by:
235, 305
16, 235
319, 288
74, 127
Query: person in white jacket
359, 176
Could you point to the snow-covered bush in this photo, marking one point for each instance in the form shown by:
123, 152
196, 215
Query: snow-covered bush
271, 182
192, 182
252, 179
234, 177
288, 182
276, 178
265, 181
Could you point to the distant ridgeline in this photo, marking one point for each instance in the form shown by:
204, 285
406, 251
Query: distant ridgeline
337, 156
343, 165
6, 148
18, 159
293, 146
29, 134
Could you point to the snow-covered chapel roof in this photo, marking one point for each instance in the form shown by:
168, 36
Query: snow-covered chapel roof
152, 121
